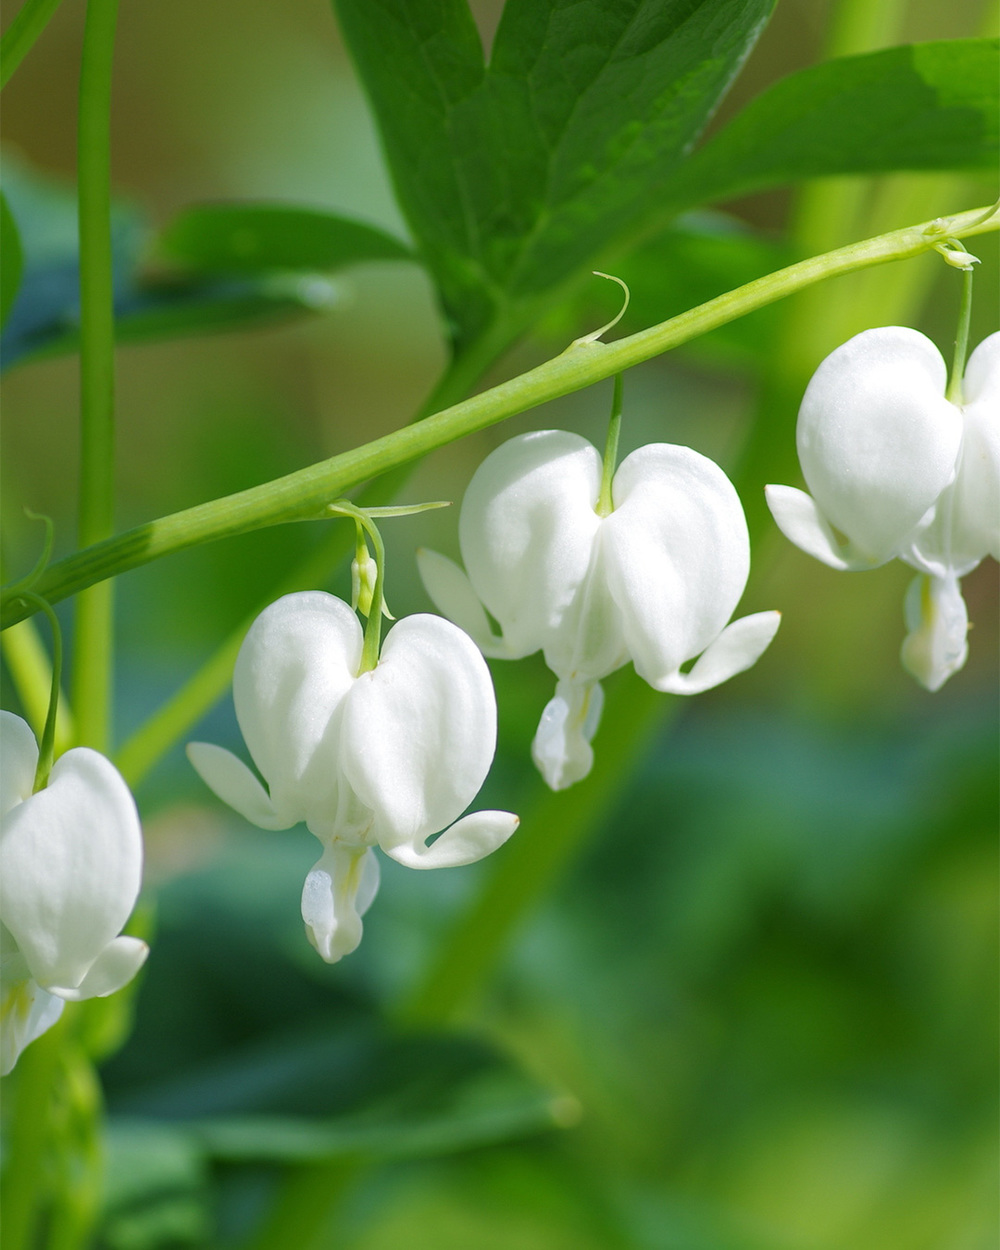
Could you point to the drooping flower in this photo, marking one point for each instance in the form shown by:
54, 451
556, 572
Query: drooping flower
654, 581
387, 757
897, 470
70, 871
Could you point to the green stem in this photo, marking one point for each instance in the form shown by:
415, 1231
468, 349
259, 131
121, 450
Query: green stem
20, 36
605, 503
373, 628
954, 392
31, 672
92, 645
46, 745
305, 494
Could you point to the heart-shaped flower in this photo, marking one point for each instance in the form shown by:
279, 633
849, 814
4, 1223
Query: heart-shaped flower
70, 871
898, 470
387, 757
654, 581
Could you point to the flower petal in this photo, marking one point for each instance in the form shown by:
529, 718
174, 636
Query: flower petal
19, 752
466, 841
877, 439
26, 1012
337, 892
526, 529
71, 864
561, 748
451, 591
976, 524
230, 779
800, 520
938, 621
298, 661
114, 967
419, 731
677, 553
737, 648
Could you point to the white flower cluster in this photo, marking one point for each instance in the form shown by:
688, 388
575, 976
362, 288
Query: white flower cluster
387, 747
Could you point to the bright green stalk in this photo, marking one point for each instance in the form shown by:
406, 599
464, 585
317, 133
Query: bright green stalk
605, 504
92, 668
304, 495
20, 36
957, 376
46, 743
31, 672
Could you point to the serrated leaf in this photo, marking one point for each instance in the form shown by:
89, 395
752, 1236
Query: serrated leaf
254, 237
513, 174
917, 107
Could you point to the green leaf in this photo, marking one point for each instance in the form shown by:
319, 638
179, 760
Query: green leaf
148, 305
11, 259
922, 106
252, 238
513, 175
356, 1091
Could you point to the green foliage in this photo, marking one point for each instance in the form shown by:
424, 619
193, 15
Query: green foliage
926, 106
254, 238
513, 175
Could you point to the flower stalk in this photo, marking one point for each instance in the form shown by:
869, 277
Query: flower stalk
305, 494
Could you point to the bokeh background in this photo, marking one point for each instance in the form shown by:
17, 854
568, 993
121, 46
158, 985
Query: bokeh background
764, 994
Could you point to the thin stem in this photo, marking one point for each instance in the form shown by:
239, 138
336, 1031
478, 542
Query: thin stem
605, 504
92, 642
306, 493
954, 392
46, 746
20, 36
373, 628
31, 672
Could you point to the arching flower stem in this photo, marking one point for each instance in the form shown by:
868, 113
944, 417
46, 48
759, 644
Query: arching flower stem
954, 392
46, 747
605, 505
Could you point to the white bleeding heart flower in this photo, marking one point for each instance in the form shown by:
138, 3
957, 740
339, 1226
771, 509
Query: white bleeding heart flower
654, 581
900, 471
70, 871
387, 757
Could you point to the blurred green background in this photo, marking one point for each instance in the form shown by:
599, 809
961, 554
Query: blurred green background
763, 999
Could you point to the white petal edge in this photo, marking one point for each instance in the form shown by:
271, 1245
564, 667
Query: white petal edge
936, 617
467, 840
337, 892
798, 517
232, 781
26, 1012
116, 965
561, 747
737, 648
452, 594
19, 752
71, 862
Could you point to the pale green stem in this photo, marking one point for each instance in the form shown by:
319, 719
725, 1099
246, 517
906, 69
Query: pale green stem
79, 1154
31, 672
92, 646
305, 494
46, 743
605, 503
19, 38
373, 628
954, 392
